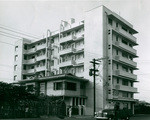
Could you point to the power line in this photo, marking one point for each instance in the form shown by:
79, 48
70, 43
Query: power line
10, 29
7, 43
13, 35
9, 36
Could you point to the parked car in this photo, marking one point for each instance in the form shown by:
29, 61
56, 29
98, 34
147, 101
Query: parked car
111, 114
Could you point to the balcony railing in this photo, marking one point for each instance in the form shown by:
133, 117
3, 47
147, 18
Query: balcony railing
125, 60
30, 71
79, 36
39, 47
124, 74
125, 88
67, 39
66, 51
30, 51
54, 57
125, 34
79, 74
54, 46
41, 68
42, 57
67, 63
126, 47
123, 98
31, 61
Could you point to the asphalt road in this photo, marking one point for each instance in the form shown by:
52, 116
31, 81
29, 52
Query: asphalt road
141, 117
137, 117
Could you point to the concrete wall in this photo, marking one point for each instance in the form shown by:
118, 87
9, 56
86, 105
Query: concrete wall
19, 61
93, 42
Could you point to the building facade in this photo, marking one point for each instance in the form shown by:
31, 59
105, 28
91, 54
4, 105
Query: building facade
101, 35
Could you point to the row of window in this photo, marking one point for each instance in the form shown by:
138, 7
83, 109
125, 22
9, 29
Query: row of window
122, 94
124, 82
111, 22
67, 86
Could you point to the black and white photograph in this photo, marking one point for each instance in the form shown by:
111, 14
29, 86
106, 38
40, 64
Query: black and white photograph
74, 60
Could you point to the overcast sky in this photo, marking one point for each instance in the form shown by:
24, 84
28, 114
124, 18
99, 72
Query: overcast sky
36, 17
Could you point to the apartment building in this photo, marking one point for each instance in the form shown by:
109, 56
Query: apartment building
102, 34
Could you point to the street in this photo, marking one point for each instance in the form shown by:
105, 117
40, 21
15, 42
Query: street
141, 117
136, 117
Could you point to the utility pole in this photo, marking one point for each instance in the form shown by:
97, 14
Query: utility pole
92, 72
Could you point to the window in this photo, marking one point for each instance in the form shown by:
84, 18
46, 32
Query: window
117, 80
33, 46
70, 86
24, 67
130, 45
124, 82
131, 84
116, 52
124, 29
52, 40
124, 94
58, 86
24, 77
16, 48
82, 86
52, 63
116, 24
25, 47
25, 57
16, 57
124, 55
32, 67
130, 32
33, 57
110, 21
124, 42
124, 68
15, 67
15, 77
116, 38
117, 66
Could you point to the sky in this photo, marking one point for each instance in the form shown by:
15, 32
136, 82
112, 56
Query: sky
35, 17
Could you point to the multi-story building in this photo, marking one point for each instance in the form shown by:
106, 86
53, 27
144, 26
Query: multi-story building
102, 34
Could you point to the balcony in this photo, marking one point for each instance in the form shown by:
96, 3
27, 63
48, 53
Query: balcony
67, 39
30, 71
128, 35
54, 57
41, 68
79, 62
126, 47
67, 63
39, 47
54, 46
79, 74
79, 36
42, 57
124, 74
125, 88
125, 34
30, 51
66, 51
125, 60
31, 61
123, 98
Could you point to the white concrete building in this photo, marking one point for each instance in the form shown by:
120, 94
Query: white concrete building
102, 34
